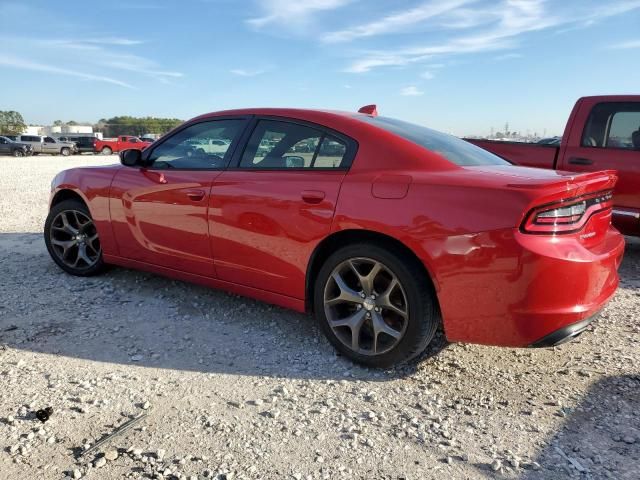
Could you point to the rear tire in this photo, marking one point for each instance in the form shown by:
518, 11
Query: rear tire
72, 239
106, 151
391, 324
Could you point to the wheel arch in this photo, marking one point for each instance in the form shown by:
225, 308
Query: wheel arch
350, 236
67, 194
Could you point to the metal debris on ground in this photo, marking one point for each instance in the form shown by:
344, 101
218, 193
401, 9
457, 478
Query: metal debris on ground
119, 430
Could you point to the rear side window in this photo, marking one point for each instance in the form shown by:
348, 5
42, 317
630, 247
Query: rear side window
613, 125
282, 145
452, 148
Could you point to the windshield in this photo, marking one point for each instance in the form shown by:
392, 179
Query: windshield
452, 148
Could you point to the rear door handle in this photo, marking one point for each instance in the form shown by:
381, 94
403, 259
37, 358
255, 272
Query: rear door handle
312, 196
195, 195
580, 161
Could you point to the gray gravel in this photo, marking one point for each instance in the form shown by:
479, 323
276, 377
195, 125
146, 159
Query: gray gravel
234, 388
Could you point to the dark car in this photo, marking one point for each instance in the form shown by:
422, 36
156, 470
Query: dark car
8, 146
84, 144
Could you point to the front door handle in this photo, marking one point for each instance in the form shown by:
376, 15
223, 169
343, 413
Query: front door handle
580, 161
195, 195
312, 196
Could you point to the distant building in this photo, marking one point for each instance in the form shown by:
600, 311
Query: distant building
68, 130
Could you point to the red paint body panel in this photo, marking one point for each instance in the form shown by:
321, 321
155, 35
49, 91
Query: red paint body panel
158, 220
254, 232
623, 160
263, 232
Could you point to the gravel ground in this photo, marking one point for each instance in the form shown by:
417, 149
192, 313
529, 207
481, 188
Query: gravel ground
234, 388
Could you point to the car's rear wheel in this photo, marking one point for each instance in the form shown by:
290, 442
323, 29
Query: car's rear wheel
65, 151
18, 153
72, 239
375, 306
106, 151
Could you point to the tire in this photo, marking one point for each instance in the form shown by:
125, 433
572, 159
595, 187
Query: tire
36, 153
412, 294
62, 244
18, 153
65, 151
106, 151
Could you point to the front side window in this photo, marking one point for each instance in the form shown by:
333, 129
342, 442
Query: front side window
204, 145
452, 148
613, 125
282, 145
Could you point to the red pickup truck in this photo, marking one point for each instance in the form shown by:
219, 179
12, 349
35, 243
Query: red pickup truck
602, 133
123, 142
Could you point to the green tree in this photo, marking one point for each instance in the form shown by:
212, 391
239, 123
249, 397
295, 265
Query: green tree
126, 125
11, 123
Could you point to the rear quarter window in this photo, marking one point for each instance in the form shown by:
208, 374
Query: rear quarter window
454, 149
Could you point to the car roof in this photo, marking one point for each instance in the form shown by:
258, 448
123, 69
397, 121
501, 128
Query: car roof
325, 117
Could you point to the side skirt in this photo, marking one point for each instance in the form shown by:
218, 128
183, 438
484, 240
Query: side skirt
262, 295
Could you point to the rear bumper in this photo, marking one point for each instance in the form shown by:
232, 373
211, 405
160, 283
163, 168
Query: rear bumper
564, 334
518, 290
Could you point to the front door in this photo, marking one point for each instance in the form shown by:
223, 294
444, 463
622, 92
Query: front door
270, 210
611, 140
159, 213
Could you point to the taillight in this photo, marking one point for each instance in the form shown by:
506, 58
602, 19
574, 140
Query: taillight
566, 216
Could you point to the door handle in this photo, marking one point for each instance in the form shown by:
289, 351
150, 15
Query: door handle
580, 161
312, 196
195, 195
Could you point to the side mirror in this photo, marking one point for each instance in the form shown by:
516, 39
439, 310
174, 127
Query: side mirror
131, 158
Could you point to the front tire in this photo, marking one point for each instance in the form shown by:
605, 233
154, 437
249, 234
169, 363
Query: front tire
375, 306
65, 151
72, 239
106, 151
18, 153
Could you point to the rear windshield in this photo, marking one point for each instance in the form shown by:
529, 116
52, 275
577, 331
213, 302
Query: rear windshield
452, 148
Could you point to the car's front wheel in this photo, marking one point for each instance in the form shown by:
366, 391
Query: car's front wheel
18, 153
375, 306
72, 239
65, 151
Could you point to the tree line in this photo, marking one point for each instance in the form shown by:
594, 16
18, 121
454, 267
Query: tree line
125, 125
12, 123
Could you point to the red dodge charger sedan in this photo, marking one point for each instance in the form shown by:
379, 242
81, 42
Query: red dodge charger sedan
382, 228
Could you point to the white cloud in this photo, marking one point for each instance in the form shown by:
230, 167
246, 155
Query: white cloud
246, 73
411, 91
90, 55
495, 27
22, 64
292, 13
396, 22
428, 75
626, 45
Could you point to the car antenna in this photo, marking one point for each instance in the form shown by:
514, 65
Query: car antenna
369, 110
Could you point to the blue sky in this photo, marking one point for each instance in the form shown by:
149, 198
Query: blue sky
460, 66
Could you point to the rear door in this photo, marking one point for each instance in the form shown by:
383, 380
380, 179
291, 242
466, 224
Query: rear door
270, 209
610, 140
159, 213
